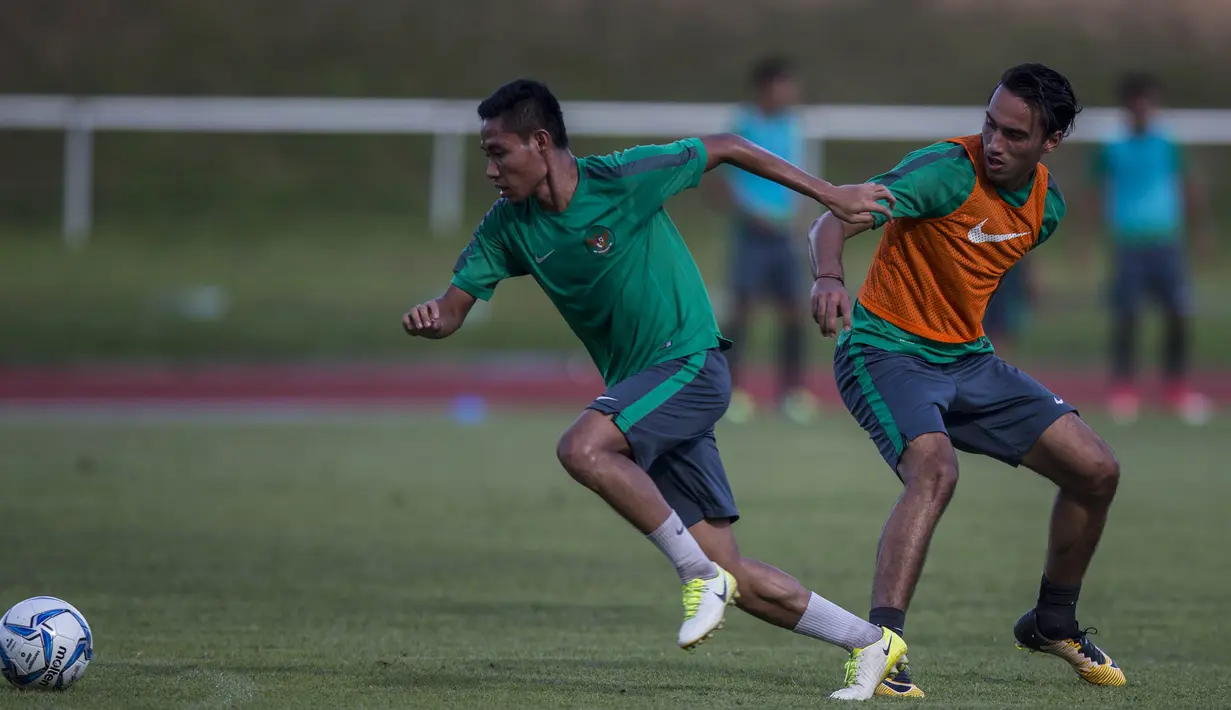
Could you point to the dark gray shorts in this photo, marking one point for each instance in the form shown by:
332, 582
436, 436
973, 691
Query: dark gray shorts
763, 265
1159, 272
668, 412
985, 405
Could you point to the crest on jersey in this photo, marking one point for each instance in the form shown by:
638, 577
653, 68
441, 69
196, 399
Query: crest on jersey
599, 240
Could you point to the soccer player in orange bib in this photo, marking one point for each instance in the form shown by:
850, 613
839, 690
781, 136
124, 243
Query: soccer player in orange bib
916, 370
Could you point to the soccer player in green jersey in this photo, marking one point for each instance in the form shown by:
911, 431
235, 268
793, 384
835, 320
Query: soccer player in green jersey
594, 234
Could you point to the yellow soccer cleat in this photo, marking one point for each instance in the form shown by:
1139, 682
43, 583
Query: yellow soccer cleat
705, 603
800, 406
868, 666
1088, 660
899, 685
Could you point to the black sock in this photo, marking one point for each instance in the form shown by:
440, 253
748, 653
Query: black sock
1057, 609
888, 617
1175, 349
1123, 342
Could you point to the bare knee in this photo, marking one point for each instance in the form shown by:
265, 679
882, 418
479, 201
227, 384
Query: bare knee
929, 468
1099, 474
1076, 459
579, 455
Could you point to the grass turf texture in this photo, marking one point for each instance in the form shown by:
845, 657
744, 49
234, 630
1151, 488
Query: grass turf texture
336, 289
411, 562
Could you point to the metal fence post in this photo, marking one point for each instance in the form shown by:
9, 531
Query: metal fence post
78, 178
448, 184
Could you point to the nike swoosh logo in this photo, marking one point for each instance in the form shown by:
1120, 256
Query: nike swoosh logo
723, 596
1058, 400
978, 236
541, 259
888, 646
605, 397
680, 531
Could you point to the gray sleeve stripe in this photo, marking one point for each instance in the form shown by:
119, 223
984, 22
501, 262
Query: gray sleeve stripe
474, 238
1055, 186
465, 255
922, 161
644, 165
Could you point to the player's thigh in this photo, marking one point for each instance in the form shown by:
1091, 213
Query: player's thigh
1129, 268
1168, 280
669, 404
896, 398
1074, 457
752, 267
693, 481
999, 411
786, 280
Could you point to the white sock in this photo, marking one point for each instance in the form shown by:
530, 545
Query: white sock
679, 546
827, 621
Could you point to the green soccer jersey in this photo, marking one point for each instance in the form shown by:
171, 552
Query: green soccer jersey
612, 262
934, 182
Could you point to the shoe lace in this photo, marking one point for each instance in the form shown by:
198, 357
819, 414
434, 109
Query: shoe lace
1087, 647
852, 668
693, 592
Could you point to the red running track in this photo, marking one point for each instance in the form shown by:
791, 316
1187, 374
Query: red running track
411, 385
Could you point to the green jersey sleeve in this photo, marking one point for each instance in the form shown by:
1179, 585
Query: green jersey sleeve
486, 260
930, 182
651, 174
1054, 209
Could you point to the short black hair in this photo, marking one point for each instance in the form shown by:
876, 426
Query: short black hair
1048, 93
526, 106
1138, 84
770, 69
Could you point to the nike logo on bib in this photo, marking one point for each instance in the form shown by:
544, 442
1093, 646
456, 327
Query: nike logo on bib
978, 236
540, 259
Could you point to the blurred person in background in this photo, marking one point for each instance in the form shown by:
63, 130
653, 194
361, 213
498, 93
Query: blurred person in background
1148, 201
1009, 308
763, 265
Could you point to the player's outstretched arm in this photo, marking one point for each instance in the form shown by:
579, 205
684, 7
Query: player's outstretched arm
851, 203
831, 304
439, 317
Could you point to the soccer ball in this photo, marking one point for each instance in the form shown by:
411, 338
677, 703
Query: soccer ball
45, 644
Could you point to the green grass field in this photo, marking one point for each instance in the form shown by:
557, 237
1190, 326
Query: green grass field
411, 562
335, 289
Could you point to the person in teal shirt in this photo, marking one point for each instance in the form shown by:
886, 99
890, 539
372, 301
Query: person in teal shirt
1149, 203
764, 266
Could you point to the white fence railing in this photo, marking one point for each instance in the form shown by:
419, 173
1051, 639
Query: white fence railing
451, 121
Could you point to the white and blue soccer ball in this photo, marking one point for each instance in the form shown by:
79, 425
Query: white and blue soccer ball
45, 644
